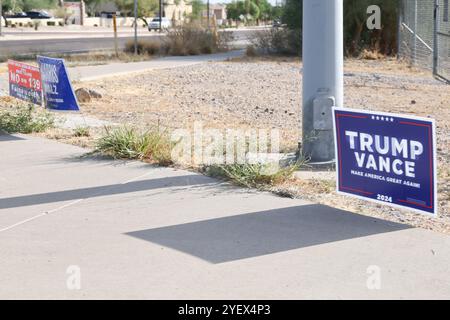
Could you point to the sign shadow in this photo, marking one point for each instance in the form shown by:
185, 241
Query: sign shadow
261, 233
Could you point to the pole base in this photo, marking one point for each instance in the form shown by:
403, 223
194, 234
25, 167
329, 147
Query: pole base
322, 166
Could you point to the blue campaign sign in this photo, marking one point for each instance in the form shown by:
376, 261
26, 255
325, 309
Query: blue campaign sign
386, 158
57, 89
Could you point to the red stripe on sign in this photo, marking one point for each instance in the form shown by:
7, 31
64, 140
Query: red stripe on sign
357, 190
352, 116
415, 203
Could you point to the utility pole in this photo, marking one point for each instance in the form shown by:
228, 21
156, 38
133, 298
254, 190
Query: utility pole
82, 10
115, 35
160, 15
323, 80
207, 12
399, 31
257, 20
135, 27
1, 15
415, 33
436, 37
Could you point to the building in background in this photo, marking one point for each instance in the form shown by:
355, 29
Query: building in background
75, 12
217, 12
177, 10
104, 7
220, 13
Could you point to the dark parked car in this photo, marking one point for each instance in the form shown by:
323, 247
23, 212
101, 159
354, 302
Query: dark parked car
109, 15
17, 15
38, 15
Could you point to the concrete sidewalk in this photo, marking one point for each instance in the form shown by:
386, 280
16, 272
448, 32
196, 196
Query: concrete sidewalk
87, 73
137, 231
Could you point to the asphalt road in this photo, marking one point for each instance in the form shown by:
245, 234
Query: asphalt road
14, 48
11, 48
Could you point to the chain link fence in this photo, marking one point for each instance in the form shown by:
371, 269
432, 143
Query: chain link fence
424, 35
443, 40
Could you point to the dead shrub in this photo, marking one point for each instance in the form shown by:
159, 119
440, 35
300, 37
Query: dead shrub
148, 47
371, 55
251, 51
278, 41
193, 39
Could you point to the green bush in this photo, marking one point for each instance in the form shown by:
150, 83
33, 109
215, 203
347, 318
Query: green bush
81, 132
129, 143
292, 14
25, 120
357, 37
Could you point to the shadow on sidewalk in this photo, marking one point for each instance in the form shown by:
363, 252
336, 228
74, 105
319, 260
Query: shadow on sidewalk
8, 137
267, 232
107, 190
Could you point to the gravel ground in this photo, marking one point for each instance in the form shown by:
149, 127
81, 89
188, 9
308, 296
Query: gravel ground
221, 95
266, 93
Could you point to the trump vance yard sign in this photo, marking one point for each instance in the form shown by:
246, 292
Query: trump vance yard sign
386, 158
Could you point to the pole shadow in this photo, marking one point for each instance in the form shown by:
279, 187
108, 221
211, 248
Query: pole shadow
188, 181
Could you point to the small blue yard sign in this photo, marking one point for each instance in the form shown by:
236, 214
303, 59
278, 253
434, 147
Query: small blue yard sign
57, 89
386, 158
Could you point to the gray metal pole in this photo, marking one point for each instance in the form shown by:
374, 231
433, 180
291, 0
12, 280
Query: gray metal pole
323, 80
415, 34
207, 12
135, 27
160, 15
436, 37
399, 30
82, 8
1, 14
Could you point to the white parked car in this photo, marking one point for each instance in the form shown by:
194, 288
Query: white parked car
154, 24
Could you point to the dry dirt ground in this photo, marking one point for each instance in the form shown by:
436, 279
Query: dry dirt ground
266, 93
